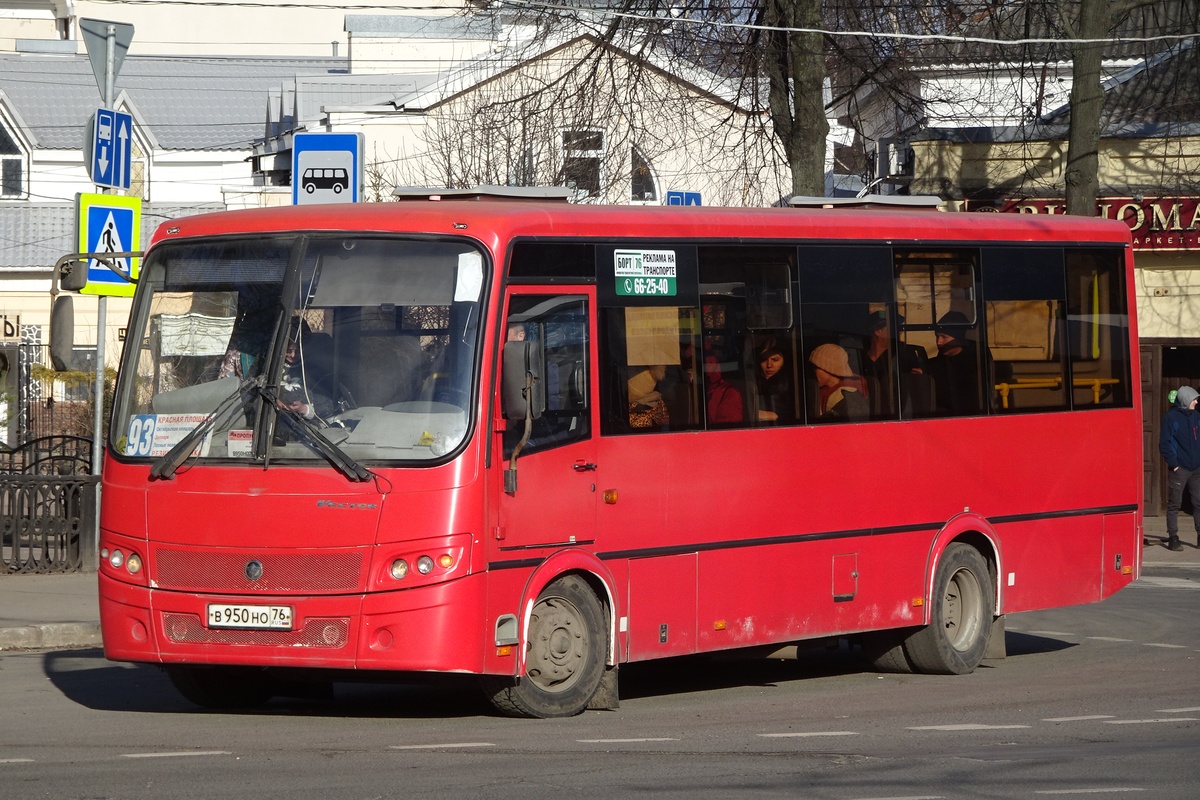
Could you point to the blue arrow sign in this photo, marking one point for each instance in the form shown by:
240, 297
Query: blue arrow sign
112, 149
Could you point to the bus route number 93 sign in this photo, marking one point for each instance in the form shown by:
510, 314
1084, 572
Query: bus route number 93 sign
645, 273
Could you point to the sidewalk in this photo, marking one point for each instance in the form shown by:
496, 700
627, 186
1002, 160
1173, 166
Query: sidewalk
46, 612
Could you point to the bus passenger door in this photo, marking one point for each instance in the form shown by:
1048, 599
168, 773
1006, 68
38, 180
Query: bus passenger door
554, 502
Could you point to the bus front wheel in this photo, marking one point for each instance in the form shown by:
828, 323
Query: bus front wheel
222, 688
960, 623
565, 655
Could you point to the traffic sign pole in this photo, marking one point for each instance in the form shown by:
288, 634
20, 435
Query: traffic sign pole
111, 32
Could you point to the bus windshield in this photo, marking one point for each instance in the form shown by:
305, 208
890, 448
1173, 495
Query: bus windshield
369, 341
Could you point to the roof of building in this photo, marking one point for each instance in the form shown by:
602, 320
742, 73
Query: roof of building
183, 103
34, 237
1157, 97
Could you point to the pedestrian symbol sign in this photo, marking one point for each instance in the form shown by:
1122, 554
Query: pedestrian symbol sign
109, 224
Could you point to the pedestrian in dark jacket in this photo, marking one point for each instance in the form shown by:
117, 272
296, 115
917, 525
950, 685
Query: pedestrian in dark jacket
1179, 443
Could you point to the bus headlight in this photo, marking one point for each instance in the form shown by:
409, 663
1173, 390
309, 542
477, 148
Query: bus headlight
399, 568
116, 558
133, 563
424, 565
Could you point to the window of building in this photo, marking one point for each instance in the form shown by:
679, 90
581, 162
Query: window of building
581, 157
641, 179
12, 166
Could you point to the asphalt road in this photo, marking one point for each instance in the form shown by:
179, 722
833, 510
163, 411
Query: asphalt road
1100, 700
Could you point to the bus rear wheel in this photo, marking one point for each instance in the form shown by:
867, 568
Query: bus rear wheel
221, 688
565, 655
960, 623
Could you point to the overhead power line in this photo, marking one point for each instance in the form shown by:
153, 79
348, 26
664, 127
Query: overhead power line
603, 14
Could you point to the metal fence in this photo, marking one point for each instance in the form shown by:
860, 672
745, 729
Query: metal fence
47, 506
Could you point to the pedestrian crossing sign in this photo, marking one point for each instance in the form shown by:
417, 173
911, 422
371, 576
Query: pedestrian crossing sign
109, 223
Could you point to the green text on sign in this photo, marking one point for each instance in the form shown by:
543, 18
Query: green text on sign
645, 273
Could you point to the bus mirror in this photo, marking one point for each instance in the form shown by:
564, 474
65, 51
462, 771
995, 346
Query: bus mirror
523, 391
73, 275
62, 332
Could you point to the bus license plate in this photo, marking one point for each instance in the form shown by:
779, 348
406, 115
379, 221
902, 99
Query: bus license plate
253, 617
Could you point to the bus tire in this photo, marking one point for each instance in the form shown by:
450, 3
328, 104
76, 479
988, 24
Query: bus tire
884, 651
960, 622
221, 688
565, 655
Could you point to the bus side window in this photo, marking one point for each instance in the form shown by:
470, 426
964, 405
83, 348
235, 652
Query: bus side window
1098, 328
936, 292
648, 382
1024, 300
846, 296
559, 323
748, 368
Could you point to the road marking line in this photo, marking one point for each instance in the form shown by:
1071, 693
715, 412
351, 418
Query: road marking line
1107, 790
1052, 633
178, 754
626, 741
969, 726
807, 734
1109, 639
439, 746
1078, 719
907, 797
1171, 646
16, 760
1179, 710
1167, 583
1148, 721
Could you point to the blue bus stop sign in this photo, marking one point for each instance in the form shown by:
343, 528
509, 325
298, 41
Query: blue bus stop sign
326, 168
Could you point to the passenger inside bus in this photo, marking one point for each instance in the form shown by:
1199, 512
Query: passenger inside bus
298, 383
647, 409
955, 369
842, 394
884, 367
722, 400
775, 398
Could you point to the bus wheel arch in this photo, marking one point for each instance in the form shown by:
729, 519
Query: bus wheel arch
565, 649
962, 607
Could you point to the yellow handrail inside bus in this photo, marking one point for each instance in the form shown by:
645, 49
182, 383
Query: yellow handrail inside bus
1052, 383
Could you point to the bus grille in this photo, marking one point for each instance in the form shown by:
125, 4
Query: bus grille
317, 632
222, 571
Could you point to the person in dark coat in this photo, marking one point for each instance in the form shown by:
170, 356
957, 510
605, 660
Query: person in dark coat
1179, 443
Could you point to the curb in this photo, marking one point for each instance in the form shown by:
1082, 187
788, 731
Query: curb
53, 636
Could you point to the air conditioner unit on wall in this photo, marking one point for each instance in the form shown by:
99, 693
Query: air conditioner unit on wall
893, 160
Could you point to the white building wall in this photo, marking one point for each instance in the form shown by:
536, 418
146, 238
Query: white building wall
261, 28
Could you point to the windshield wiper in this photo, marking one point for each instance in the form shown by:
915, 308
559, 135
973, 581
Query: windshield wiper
164, 468
305, 428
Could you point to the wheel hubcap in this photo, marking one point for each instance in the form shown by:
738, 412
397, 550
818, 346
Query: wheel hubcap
960, 609
557, 645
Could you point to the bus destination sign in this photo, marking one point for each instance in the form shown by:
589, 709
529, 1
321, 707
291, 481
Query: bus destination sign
645, 273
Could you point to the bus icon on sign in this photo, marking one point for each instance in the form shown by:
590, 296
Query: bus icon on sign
334, 178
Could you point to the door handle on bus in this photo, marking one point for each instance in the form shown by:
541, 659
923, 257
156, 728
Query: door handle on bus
584, 466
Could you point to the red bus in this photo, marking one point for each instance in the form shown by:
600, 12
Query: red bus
533, 441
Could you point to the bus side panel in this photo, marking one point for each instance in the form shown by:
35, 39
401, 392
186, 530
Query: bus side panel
1050, 562
779, 593
1121, 562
